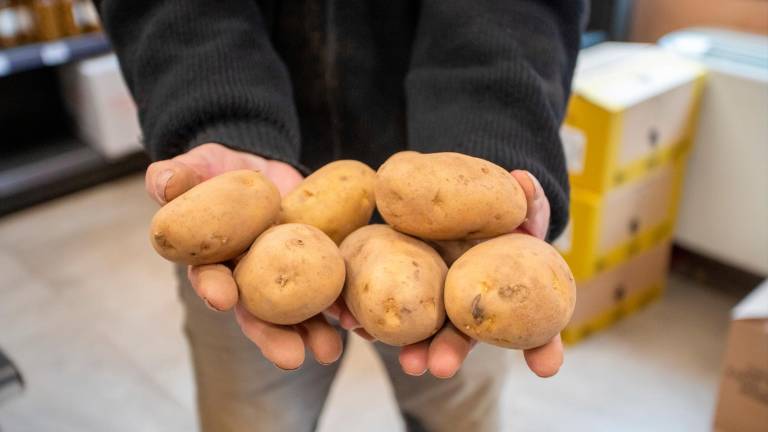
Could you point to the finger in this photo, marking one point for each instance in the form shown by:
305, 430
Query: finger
364, 334
167, 179
413, 358
447, 351
282, 345
283, 175
546, 360
322, 339
215, 285
347, 321
537, 216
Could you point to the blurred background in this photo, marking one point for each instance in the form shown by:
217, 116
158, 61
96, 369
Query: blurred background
666, 138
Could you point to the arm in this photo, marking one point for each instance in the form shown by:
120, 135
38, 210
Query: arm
201, 72
204, 73
492, 79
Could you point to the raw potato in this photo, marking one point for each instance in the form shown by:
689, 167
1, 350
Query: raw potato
216, 220
291, 273
451, 250
337, 199
513, 291
394, 285
448, 196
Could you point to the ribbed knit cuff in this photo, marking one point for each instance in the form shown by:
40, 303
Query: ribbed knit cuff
259, 138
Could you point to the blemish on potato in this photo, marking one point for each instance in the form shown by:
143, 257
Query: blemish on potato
430, 303
484, 287
517, 292
484, 170
281, 280
437, 199
294, 242
477, 311
162, 241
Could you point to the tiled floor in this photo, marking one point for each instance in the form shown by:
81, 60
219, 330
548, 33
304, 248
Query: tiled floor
90, 315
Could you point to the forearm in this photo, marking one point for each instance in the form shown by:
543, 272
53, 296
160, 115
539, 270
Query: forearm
203, 72
492, 79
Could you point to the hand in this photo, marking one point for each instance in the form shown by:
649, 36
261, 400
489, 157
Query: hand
444, 353
214, 284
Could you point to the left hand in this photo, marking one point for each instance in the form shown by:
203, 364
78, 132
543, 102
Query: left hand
444, 353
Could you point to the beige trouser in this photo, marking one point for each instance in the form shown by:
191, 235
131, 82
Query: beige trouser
239, 390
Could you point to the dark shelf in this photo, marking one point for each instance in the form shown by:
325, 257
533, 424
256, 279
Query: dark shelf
57, 169
54, 53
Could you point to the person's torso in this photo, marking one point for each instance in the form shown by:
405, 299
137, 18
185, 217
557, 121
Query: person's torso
347, 60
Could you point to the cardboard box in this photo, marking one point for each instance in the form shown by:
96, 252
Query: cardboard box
633, 106
606, 230
742, 404
101, 105
618, 292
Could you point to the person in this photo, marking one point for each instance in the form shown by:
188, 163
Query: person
287, 86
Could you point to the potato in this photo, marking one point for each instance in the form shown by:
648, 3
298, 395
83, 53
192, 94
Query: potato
394, 285
216, 220
513, 291
451, 250
337, 199
448, 196
291, 273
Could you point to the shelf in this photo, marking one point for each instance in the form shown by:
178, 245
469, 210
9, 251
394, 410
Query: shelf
58, 169
53, 53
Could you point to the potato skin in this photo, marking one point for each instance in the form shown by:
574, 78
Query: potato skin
514, 291
337, 199
394, 285
448, 196
451, 250
291, 273
216, 220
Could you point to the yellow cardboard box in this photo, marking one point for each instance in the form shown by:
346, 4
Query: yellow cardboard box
618, 292
632, 106
606, 230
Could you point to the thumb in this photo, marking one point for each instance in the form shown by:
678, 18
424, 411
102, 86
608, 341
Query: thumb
167, 179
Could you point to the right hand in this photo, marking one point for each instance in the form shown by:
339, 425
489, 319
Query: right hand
214, 284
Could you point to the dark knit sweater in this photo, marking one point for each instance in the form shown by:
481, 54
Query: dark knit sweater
308, 82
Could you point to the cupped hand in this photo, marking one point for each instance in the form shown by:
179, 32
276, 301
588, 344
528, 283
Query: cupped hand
214, 284
444, 353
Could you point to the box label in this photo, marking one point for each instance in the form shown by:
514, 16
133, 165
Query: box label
575, 148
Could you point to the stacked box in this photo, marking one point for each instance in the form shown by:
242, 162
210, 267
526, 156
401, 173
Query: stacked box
626, 137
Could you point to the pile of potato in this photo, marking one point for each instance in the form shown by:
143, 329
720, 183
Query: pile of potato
449, 248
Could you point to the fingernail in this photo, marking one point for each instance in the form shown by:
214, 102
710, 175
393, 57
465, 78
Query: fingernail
537, 191
419, 373
284, 369
161, 182
205, 300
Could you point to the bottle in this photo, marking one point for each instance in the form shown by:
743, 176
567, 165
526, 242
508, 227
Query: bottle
9, 25
67, 21
86, 16
45, 19
26, 20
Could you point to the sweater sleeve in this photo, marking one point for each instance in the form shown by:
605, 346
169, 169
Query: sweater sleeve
203, 71
491, 78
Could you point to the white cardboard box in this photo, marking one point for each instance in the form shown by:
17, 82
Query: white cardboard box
101, 105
